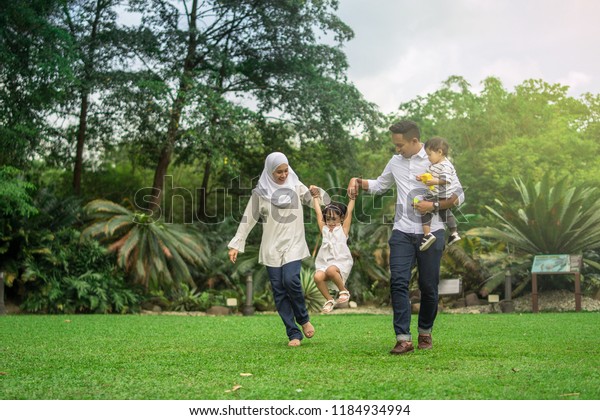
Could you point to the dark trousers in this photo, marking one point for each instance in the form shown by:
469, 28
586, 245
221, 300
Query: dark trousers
404, 252
289, 297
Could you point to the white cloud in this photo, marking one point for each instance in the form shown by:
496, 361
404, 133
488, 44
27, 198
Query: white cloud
576, 80
417, 72
512, 71
405, 48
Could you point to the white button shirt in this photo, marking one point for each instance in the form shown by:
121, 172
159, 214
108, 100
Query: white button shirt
403, 172
283, 238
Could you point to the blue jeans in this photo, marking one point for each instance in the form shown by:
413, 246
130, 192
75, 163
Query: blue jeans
289, 297
404, 251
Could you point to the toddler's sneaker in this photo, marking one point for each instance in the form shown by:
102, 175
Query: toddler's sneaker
427, 241
453, 238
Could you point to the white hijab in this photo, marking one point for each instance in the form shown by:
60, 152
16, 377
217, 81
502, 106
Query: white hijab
267, 188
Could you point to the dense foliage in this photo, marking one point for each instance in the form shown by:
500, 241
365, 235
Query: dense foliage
76, 276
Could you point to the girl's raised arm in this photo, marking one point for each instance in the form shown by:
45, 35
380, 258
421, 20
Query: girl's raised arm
348, 218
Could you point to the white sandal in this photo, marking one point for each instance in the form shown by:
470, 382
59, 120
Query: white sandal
344, 296
328, 306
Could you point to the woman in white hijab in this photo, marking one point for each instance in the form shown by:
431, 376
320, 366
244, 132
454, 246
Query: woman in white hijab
277, 200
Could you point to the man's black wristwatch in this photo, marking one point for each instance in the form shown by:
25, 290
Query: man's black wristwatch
436, 206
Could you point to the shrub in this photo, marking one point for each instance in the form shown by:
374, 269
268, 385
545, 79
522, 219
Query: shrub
75, 277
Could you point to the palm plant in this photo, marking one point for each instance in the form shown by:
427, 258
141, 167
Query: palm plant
313, 298
554, 219
156, 254
463, 260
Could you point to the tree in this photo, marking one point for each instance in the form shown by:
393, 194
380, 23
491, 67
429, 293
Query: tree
209, 67
495, 134
102, 61
34, 69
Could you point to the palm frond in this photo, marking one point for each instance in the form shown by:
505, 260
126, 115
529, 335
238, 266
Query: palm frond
313, 298
157, 255
554, 218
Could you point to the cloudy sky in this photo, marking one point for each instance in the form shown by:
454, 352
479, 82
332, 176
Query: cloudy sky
405, 48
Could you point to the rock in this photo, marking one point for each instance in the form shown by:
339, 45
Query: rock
147, 305
472, 300
459, 303
156, 308
551, 301
415, 307
218, 310
352, 304
342, 305
12, 308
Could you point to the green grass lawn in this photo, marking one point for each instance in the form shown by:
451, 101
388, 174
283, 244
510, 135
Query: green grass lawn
493, 356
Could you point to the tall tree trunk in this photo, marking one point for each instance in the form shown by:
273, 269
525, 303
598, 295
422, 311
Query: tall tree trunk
201, 209
88, 70
80, 142
165, 155
172, 133
159, 176
2, 307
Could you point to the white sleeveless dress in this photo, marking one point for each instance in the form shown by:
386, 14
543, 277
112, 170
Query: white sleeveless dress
334, 251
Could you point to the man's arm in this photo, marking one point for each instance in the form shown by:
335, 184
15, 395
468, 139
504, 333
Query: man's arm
384, 182
355, 185
429, 206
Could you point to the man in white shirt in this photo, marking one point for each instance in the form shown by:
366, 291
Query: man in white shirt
402, 170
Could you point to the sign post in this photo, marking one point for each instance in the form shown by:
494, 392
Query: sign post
556, 264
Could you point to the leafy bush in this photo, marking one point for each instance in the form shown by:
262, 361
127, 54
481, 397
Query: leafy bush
187, 299
75, 277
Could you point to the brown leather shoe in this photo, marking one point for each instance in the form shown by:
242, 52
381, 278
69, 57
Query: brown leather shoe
425, 342
403, 347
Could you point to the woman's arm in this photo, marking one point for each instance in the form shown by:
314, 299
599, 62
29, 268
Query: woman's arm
249, 220
317, 206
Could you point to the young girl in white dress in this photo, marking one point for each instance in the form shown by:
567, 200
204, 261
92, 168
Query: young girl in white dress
334, 259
